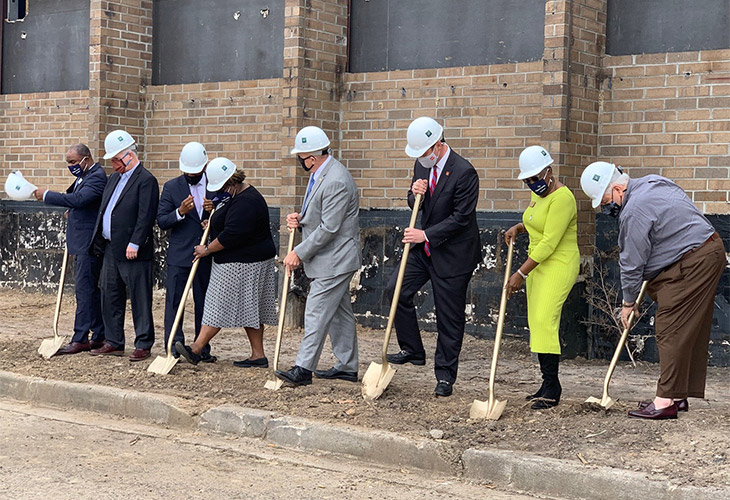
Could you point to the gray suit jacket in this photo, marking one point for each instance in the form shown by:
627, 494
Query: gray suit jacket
330, 226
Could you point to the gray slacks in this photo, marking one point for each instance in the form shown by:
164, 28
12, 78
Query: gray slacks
329, 310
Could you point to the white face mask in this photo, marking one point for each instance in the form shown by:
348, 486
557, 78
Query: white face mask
430, 160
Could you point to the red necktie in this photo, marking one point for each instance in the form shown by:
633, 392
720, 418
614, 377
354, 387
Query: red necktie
431, 189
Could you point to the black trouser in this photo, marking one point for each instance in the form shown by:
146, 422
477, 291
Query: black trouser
88, 299
177, 277
449, 297
118, 277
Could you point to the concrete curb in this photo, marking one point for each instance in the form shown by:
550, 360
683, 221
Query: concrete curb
552, 477
156, 408
376, 446
511, 470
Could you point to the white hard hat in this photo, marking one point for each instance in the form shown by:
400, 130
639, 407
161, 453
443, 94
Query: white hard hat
116, 142
310, 139
422, 133
533, 160
193, 158
595, 180
17, 187
219, 171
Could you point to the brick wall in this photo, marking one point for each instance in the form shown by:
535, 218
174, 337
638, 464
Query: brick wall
668, 114
238, 120
489, 114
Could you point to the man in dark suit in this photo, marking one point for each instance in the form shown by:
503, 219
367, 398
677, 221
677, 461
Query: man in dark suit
82, 199
123, 235
446, 250
181, 211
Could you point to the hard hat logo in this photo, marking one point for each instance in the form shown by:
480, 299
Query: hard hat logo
304, 140
429, 133
544, 153
120, 138
224, 167
596, 178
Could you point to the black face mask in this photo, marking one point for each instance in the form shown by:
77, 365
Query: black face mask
612, 208
193, 179
303, 162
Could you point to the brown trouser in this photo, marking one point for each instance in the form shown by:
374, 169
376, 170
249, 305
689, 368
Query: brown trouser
685, 296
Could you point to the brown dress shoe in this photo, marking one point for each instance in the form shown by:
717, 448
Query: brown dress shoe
96, 344
651, 412
107, 350
75, 348
682, 405
139, 355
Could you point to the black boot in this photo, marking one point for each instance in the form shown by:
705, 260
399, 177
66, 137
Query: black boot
551, 389
541, 390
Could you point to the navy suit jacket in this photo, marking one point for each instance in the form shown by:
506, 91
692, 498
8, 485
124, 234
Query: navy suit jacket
185, 233
133, 216
449, 216
83, 200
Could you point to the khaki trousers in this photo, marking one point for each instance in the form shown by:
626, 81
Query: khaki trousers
685, 295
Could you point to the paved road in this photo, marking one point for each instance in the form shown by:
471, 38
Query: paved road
52, 454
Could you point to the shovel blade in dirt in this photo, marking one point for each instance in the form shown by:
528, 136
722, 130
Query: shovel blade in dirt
273, 384
162, 365
605, 402
49, 347
376, 379
481, 409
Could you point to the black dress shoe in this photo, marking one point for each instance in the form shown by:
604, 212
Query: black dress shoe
651, 412
295, 375
542, 403
537, 395
187, 353
252, 363
208, 358
334, 373
444, 388
403, 357
682, 405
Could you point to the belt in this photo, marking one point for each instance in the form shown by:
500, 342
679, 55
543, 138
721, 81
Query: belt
715, 236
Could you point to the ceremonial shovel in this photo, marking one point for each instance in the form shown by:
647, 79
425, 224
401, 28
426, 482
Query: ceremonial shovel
163, 364
607, 401
275, 383
492, 408
378, 376
49, 347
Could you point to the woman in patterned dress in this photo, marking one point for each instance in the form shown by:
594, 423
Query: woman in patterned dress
551, 267
241, 293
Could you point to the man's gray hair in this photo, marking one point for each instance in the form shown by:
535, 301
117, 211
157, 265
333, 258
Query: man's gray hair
617, 178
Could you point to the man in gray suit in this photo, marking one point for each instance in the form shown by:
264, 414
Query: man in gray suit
330, 251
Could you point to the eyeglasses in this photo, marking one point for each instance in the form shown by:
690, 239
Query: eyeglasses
535, 178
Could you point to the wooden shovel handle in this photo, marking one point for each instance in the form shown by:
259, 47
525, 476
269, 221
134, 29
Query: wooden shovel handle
622, 341
186, 291
59, 294
282, 304
399, 283
500, 323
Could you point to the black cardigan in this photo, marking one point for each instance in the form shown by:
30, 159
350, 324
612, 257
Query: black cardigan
241, 225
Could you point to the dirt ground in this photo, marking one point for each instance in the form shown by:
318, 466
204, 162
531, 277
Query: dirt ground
690, 450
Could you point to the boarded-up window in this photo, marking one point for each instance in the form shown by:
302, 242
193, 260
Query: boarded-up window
212, 41
409, 34
49, 49
651, 26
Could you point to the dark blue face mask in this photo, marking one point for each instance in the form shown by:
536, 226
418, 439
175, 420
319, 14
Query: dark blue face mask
220, 198
539, 187
76, 170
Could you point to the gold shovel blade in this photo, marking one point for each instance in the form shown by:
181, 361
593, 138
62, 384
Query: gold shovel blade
49, 347
481, 409
162, 365
273, 384
374, 382
605, 402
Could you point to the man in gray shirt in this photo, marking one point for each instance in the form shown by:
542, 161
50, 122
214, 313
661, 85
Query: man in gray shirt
664, 239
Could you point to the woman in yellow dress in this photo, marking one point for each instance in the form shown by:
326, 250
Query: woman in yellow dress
551, 267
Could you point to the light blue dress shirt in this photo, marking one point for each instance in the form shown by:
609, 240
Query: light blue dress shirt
106, 227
